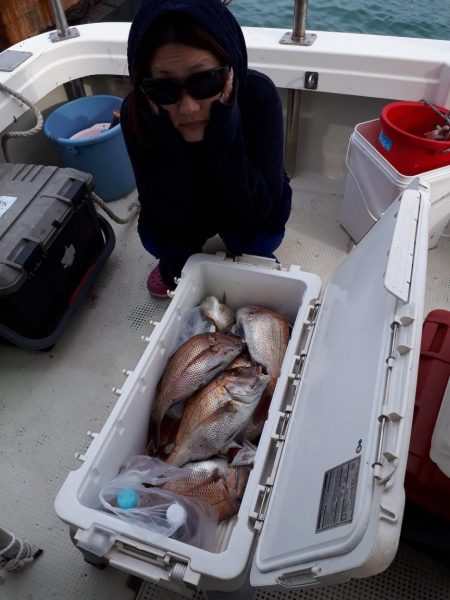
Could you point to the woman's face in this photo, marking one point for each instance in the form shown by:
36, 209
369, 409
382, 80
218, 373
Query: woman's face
178, 61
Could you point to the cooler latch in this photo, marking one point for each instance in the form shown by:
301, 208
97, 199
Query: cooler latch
259, 261
299, 578
160, 558
30, 255
162, 565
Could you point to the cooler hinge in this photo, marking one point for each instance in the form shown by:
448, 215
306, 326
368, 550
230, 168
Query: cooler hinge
264, 491
389, 413
300, 359
262, 502
279, 435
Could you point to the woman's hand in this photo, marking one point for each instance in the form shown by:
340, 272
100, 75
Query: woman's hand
228, 88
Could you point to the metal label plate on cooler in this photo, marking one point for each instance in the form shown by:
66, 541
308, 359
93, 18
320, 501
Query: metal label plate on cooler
338, 495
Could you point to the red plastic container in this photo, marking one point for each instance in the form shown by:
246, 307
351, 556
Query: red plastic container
402, 142
425, 484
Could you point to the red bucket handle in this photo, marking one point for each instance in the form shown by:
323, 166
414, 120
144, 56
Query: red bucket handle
446, 118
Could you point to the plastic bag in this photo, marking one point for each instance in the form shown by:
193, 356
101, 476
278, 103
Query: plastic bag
245, 456
194, 322
133, 497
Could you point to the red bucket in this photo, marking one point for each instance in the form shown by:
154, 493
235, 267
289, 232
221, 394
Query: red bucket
402, 141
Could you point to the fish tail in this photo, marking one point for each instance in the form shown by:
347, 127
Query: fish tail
177, 458
230, 501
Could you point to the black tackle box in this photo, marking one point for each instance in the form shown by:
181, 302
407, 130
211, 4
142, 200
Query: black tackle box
52, 245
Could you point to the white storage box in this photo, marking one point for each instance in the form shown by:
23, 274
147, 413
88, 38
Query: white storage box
324, 501
372, 184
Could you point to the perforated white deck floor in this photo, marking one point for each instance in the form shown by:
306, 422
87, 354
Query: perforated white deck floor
49, 400
412, 576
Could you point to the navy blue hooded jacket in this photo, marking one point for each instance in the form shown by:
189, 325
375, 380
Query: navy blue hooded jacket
232, 181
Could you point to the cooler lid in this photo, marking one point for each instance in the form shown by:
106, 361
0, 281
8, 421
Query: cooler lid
336, 498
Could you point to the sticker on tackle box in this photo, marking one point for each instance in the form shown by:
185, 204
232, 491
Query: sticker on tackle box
5, 203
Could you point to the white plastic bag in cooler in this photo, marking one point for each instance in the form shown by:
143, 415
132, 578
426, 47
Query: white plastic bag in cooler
324, 499
372, 184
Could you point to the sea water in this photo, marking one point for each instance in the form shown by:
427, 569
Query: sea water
407, 18
410, 18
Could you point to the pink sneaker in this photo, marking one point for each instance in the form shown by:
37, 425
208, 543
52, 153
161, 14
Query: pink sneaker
156, 285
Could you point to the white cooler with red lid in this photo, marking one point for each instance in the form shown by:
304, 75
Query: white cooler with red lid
324, 501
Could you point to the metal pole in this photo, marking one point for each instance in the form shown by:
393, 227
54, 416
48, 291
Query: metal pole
63, 31
298, 37
298, 33
60, 19
292, 121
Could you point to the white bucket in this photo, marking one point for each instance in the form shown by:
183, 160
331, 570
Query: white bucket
372, 184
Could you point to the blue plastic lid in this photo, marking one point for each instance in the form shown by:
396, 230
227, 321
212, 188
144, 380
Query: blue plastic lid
127, 498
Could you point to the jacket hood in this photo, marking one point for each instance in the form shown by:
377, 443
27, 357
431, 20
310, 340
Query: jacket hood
211, 14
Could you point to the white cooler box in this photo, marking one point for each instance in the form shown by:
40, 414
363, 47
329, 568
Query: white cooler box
324, 501
372, 184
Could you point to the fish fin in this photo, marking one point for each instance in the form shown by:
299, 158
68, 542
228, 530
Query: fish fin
225, 408
230, 498
262, 409
231, 445
177, 457
214, 477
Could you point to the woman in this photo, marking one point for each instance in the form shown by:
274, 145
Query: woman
205, 137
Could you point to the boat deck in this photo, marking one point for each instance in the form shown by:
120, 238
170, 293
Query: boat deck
50, 400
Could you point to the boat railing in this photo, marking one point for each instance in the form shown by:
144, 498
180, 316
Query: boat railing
63, 31
74, 89
300, 37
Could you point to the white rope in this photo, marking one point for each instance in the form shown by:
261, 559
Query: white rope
21, 134
24, 556
133, 208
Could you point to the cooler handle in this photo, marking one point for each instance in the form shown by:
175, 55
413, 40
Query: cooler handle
398, 275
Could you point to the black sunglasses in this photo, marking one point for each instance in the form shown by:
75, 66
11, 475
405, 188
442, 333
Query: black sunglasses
199, 86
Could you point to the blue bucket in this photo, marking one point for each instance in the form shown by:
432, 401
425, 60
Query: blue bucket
105, 155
